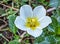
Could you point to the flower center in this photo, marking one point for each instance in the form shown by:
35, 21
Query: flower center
32, 23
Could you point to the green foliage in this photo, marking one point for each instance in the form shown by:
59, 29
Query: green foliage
11, 19
54, 22
24, 0
54, 3
5, 1
51, 39
16, 37
46, 40
14, 42
4, 42
58, 19
43, 2
51, 28
39, 39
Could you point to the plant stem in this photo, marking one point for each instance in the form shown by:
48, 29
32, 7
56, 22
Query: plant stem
5, 38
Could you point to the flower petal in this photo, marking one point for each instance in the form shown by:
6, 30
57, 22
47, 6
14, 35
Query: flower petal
26, 11
19, 22
44, 22
39, 11
35, 33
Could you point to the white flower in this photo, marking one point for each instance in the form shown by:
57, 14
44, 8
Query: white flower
32, 21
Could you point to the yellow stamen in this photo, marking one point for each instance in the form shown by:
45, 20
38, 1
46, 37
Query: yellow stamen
32, 23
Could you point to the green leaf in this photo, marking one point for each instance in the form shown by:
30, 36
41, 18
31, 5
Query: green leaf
58, 39
4, 42
58, 18
58, 42
24, 0
39, 39
58, 30
54, 22
41, 1
14, 42
51, 39
11, 19
50, 28
16, 37
5, 1
45, 42
54, 3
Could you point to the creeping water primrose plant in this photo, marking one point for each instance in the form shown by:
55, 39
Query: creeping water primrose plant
32, 21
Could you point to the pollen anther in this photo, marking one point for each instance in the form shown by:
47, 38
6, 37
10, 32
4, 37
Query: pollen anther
32, 23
